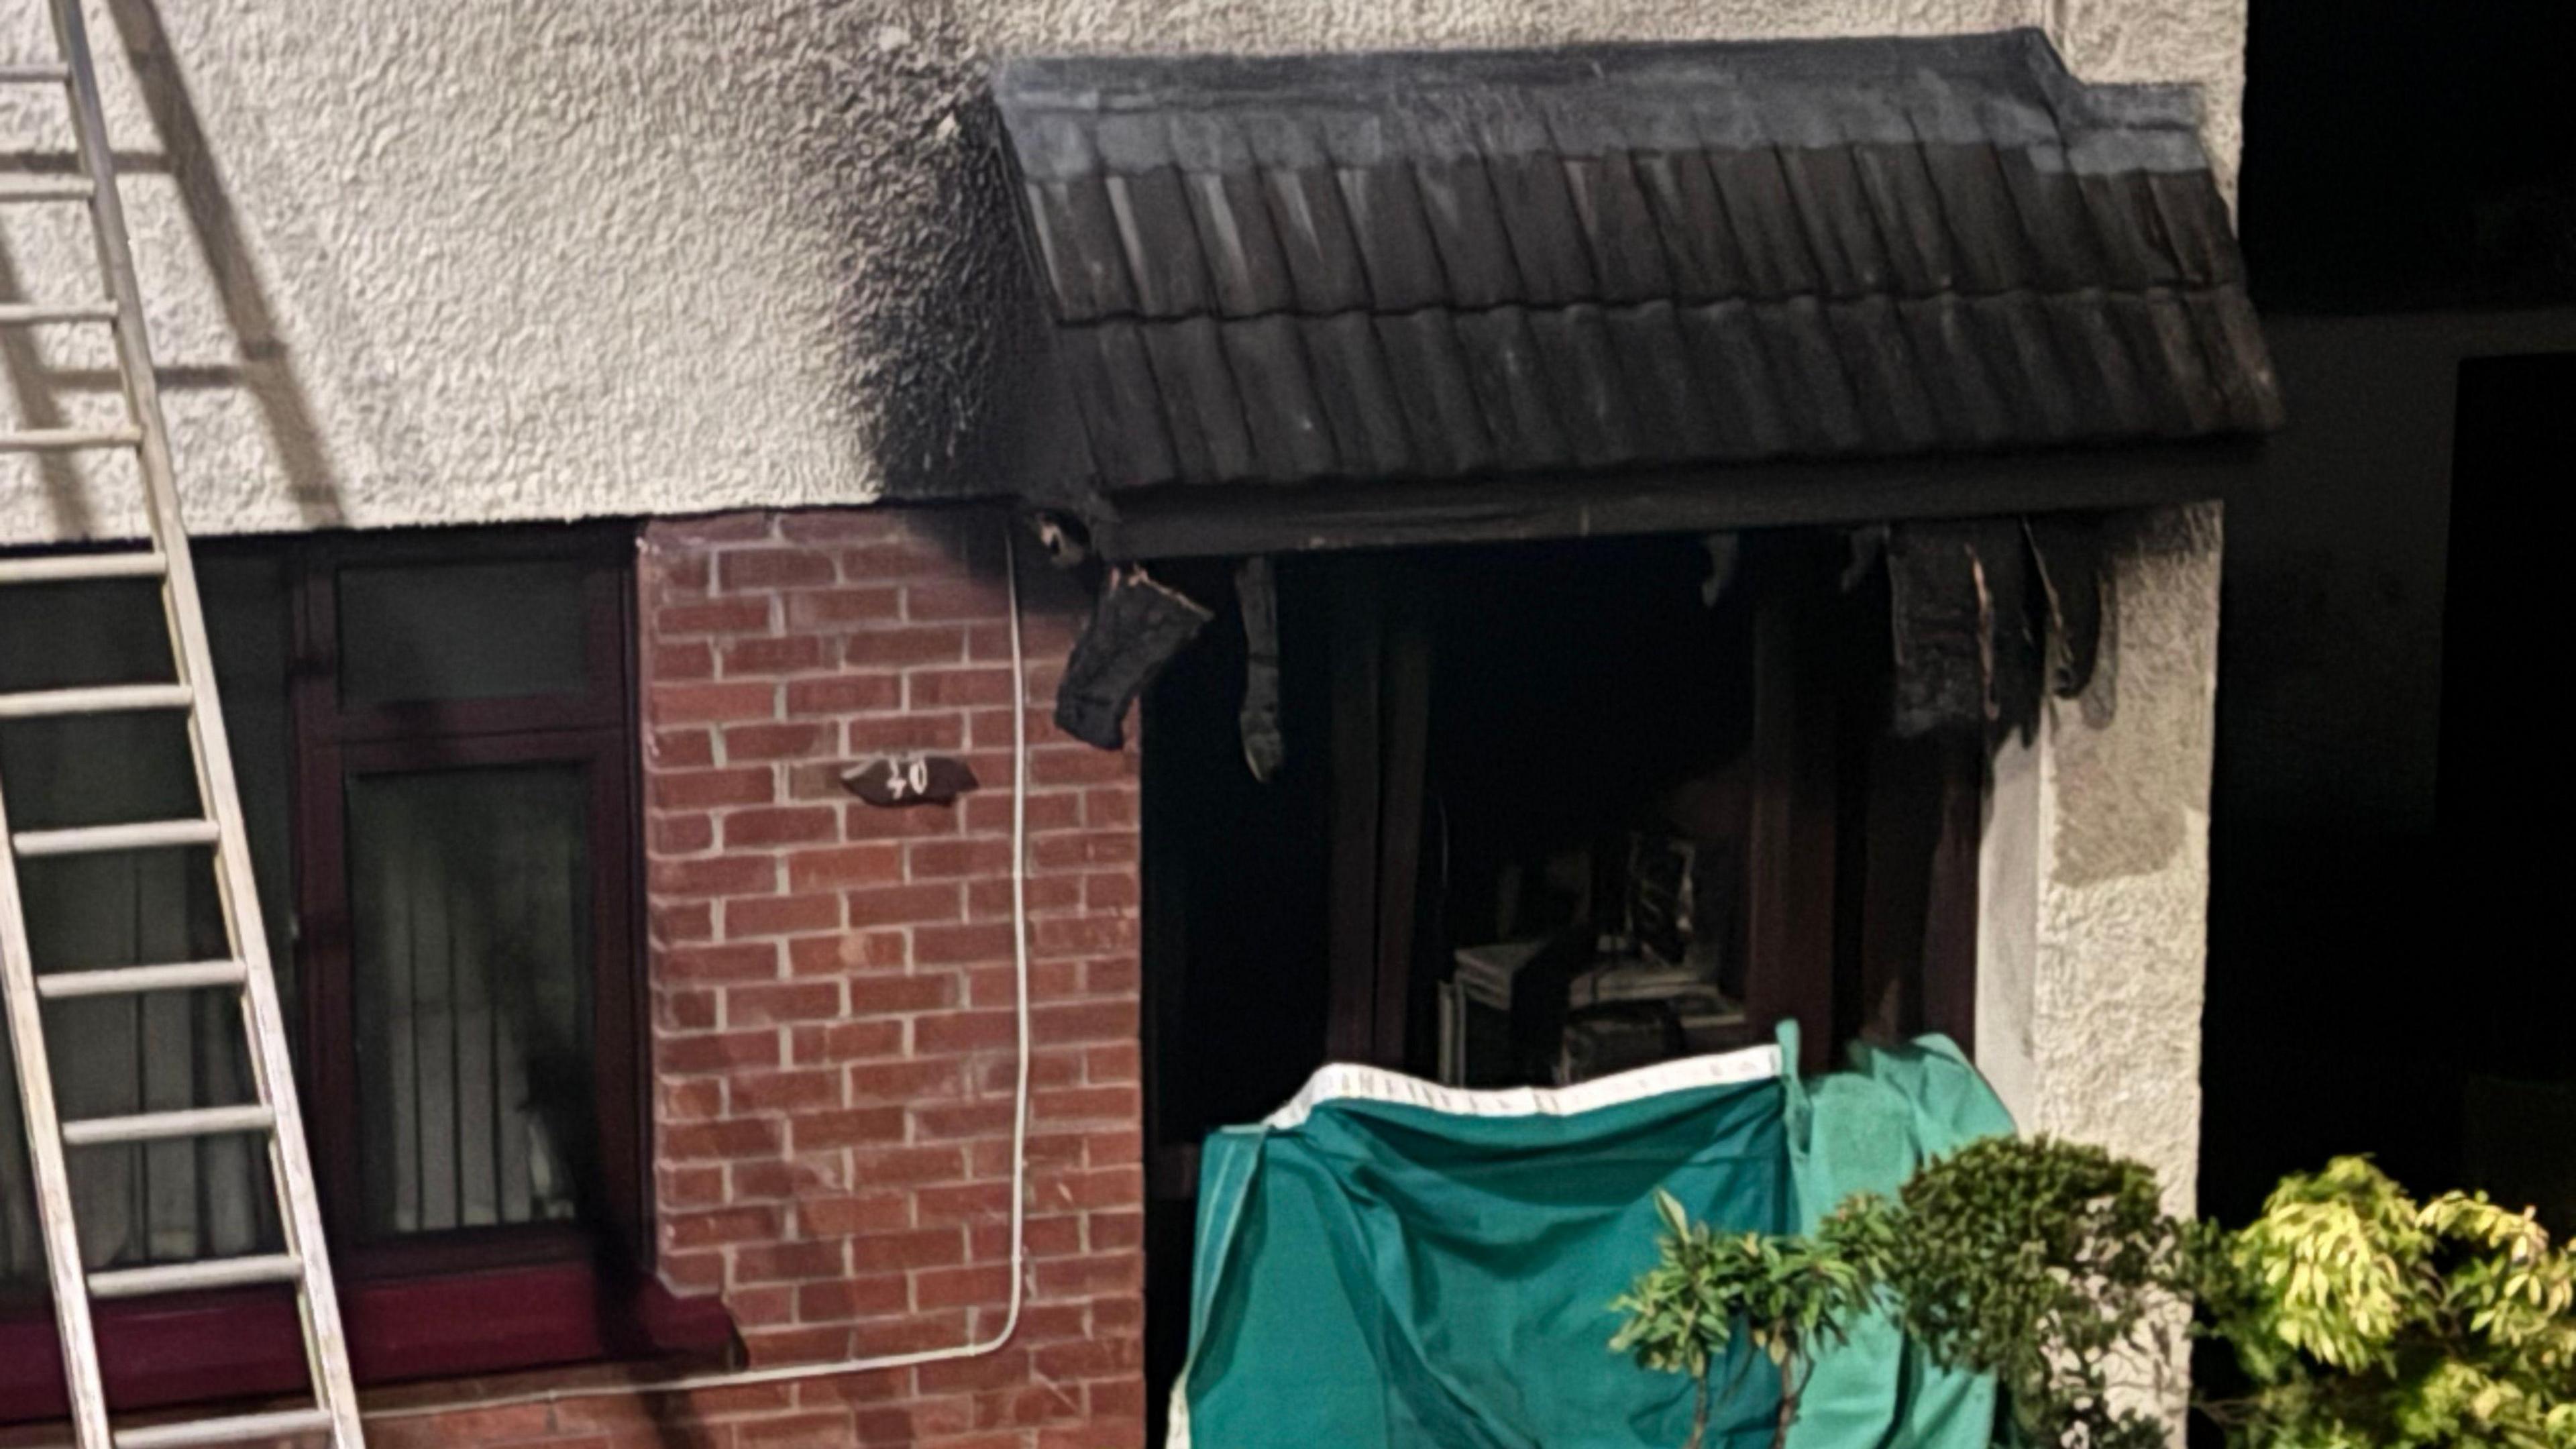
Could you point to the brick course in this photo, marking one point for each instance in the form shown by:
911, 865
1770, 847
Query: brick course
831, 989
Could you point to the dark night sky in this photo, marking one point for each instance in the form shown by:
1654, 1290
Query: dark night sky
2410, 153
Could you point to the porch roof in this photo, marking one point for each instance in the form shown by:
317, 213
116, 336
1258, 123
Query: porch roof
1480, 265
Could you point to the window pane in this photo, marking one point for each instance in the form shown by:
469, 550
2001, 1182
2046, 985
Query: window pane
247, 617
469, 895
169, 1201
96, 631
461, 631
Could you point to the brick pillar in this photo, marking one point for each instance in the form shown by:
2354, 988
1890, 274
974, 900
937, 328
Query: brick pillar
832, 984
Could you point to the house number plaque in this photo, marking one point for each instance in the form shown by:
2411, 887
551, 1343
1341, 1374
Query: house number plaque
894, 781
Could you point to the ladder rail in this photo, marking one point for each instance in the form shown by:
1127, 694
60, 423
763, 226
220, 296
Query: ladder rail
87, 1392
272, 1070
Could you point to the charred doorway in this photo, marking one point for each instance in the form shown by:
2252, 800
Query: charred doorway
1546, 811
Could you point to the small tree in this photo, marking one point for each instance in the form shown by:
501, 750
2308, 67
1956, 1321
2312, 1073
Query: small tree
2362, 1319
2044, 1263
1789, 1296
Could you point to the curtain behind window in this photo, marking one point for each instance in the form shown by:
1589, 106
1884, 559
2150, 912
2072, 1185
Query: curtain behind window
166, 1201
469, 900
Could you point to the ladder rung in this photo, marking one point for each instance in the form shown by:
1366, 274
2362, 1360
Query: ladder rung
134, 980
33, 74
242, 1429
68, 440
104, 699
69, 188
183, 1277
65, 567
92, 839
159, 1126
29, 314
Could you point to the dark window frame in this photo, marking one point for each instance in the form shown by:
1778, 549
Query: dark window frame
597, 730
467, 1301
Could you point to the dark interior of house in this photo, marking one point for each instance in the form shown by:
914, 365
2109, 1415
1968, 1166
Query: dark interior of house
1545, 812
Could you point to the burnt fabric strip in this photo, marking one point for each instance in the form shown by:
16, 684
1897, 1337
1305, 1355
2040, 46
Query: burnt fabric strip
1256, 589
1136, 628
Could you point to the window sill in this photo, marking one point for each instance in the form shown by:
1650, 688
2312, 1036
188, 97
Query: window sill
184, 1349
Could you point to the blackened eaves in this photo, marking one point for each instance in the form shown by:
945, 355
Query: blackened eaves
1393, 266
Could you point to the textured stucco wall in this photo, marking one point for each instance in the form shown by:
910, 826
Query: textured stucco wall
2095, 875
2096, 870
432, 261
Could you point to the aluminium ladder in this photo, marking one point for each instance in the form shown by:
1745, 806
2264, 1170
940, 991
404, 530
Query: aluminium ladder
273, 1112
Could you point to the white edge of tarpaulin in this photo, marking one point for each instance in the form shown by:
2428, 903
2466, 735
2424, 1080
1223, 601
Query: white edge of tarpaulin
1346, 1082
1350, 1082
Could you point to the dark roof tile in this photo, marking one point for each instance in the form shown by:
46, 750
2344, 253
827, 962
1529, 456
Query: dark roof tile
1442, 413
1467, 227
2175, 378
1513, 388
1161, 239
1732, 366
1823, 415
1394, 238
1359, 395
2021, 350
1445, 264
1675, 414
1913, 228
1244, 259
1122, 405
1618, 227
1290, 437
1202, 408
1842, 236
1951, 357
1537, 208
1897, 413
2241, 365
1077, 233
1690, 221
1762, 218
1588, 384
1315, 236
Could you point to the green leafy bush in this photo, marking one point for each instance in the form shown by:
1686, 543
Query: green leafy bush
2047, 1264
1788, 1296
2365, 1321
2361, 1319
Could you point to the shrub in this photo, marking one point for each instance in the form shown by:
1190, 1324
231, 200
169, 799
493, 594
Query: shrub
2046, 1264
1788, 1296
2361, 1319
2365, 1321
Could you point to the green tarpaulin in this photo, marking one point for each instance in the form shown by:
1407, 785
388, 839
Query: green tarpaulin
1389, 1264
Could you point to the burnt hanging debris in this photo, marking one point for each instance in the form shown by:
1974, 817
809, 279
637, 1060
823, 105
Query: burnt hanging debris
1136, 627
1989, 616
1937, 611
1256, 591
2066, 552
1986, 619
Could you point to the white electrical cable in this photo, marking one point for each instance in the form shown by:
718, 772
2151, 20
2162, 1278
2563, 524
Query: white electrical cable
1019, 1122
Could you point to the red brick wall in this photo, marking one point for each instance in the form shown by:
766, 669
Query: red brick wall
832, 999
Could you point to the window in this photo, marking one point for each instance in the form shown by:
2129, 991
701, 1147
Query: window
435, 746
464, 891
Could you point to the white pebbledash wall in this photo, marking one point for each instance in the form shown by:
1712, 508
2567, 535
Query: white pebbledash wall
449, 261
